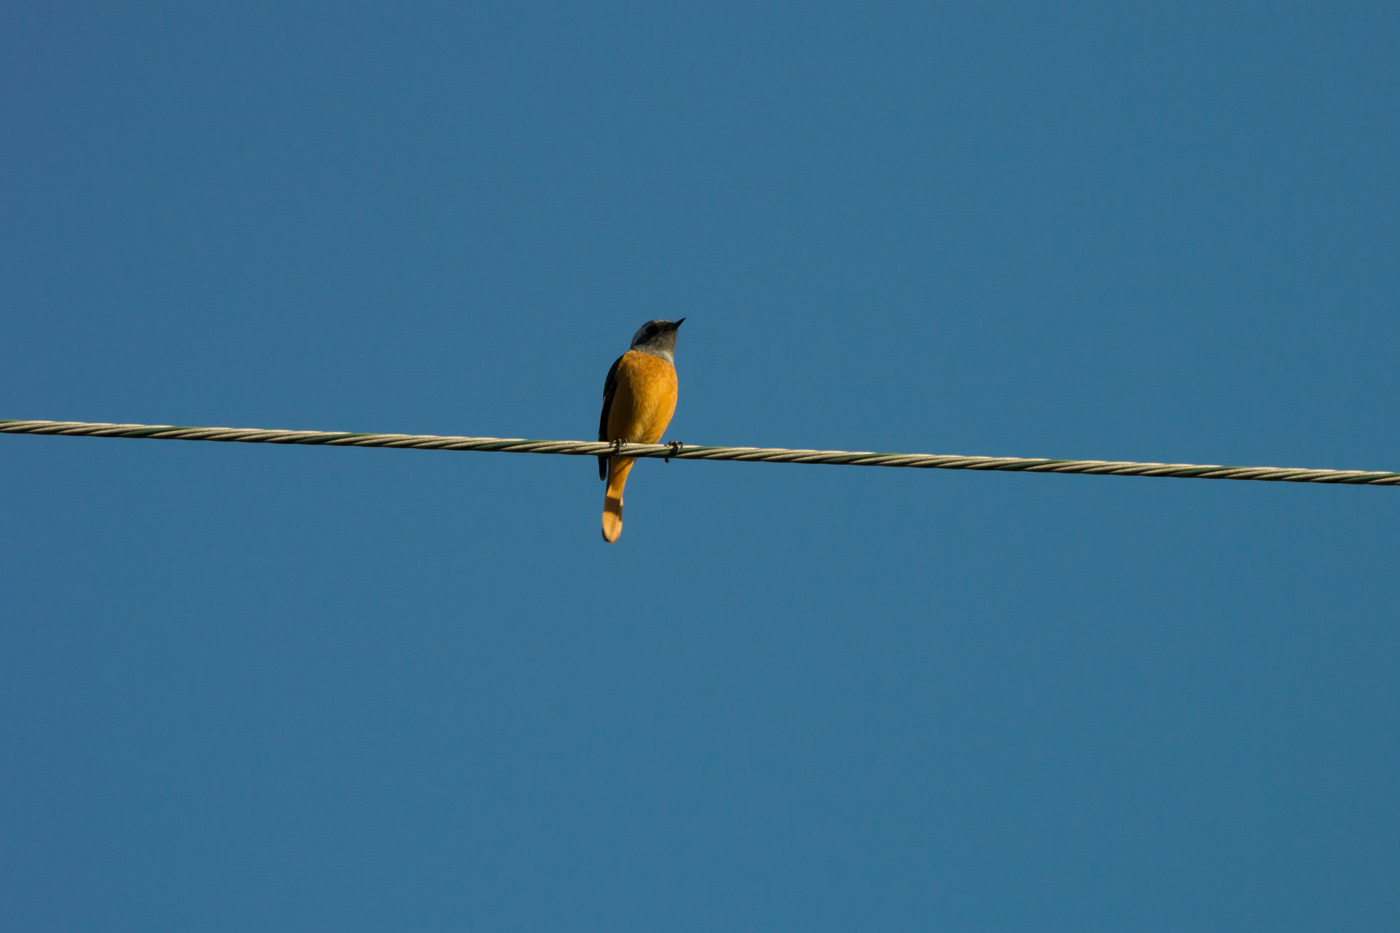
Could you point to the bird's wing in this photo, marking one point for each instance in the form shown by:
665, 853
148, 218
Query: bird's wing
609, 389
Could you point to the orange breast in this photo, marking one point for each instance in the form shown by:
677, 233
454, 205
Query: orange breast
645, 398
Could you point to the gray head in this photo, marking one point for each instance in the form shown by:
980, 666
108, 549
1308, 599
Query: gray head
658, 338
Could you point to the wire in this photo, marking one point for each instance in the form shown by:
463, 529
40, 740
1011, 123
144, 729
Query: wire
692, 452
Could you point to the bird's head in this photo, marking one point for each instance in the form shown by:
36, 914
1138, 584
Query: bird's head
658, 338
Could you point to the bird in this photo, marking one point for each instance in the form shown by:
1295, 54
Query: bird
639, 398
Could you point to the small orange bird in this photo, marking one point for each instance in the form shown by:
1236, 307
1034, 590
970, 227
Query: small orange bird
639, 399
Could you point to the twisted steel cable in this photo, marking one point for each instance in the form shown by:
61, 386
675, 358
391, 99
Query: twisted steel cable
692, 452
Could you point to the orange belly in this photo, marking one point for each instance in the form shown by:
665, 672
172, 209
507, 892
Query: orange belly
645, 399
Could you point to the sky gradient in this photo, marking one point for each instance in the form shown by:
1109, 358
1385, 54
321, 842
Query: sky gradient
295, 688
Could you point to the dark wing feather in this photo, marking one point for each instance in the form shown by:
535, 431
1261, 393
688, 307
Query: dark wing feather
609, 389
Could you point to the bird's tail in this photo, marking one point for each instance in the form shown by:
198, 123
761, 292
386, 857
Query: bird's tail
618, 468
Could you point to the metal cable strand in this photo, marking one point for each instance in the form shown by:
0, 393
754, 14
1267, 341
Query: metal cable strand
680, 452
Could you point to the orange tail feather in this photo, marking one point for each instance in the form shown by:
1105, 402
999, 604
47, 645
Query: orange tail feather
612, 499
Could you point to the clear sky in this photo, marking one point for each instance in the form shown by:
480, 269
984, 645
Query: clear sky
301, 689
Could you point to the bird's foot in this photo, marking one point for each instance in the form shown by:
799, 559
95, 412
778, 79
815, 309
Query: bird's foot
675, 449
617, 447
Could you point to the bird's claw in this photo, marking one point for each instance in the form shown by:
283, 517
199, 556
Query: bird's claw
675, 450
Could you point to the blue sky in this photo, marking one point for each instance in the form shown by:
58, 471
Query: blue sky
286, 688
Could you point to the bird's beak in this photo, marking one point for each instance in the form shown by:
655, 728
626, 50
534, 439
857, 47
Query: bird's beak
676, 326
